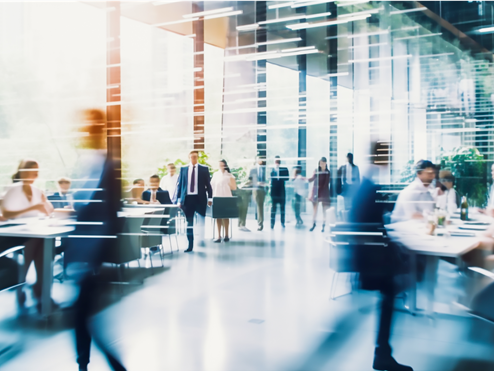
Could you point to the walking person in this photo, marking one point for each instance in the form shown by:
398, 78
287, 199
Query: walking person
223, 183
320, 191
258, 179
348, 181
300, 193
279, 175
194, 194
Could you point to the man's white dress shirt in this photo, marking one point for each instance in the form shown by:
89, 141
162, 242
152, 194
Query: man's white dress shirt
415, 198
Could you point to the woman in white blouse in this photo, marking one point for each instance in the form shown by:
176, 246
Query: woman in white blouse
448, 200
223, 183
23, 200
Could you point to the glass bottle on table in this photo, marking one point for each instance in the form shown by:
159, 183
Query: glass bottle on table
464, 209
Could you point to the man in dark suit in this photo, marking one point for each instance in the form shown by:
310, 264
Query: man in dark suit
194, 194
389, 277
348, 181
156, 195
63, 198
279, 175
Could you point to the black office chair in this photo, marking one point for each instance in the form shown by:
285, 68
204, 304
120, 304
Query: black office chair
169, 225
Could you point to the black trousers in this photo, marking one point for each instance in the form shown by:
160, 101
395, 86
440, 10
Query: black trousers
297, 203
275, 201
388, 293
190, 207
84, 309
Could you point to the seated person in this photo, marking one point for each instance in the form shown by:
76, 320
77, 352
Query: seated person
156, 195
449, 200
489, 210
419, 196
63, 198
135, 193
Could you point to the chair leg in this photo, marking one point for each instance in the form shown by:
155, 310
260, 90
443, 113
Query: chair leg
334, 283
170, 243
151, 261
176, 241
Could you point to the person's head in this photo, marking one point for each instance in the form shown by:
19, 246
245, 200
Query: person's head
277, 161
297, 170
171, 169
64, 185
154, 182
349, 158
260, 160
447, 178
223, 166
93, 129
27, 172
426, 171
194, 157
137, 188
323, 164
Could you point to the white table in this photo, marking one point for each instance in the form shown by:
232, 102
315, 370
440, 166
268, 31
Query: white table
48, 230
412, 235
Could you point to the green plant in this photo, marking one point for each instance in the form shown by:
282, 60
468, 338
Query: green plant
470, 170
407, 175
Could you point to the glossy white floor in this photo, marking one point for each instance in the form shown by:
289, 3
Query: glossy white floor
260, 302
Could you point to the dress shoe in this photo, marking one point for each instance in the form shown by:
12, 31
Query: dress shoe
226, 239
313, 227
188, 250
322, 230
259, 228
217, 241
388, 363
244, 229
283, 225
272, 226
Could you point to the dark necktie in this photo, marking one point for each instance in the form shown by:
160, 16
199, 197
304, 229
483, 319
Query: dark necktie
192, 179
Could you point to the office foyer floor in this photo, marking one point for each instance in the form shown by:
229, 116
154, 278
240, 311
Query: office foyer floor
260, 302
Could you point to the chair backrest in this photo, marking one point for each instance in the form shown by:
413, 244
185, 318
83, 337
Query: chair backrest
357, 247
10, 269
128, 246
225, 208
169, 223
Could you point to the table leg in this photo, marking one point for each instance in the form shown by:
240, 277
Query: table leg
412, 294
430, 281
48, 248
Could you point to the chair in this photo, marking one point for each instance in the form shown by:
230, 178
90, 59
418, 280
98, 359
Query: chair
169, 225
151, 235
368, 241
224, 208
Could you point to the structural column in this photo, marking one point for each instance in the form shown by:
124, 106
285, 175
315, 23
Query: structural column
302, 97
113, 89
199, 87
261, 37
332, 32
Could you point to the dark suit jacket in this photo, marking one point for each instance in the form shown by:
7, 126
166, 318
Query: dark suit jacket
342, 186
161, 195
204, 190
55, 200
278, 182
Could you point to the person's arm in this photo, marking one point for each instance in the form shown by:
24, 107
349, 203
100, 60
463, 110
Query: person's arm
311, 179
49, 206
9, 214
357, 181
451, 201
166, 198
209, 190
233, 183
178, 192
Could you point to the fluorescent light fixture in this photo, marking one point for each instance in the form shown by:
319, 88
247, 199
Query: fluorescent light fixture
280, 5
301, 26
419, 9
348, 3
297, 17
208, 12
486, 30
372, 11
385, 32
164, 2
300, 4
221, 15
281, 41
379, 59
418, 36
298, 49
338, 74
248, 27
174, 22
436, 55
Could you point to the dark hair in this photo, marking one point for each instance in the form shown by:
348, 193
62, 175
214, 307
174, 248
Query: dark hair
23, 165
350, 157
154, 176
298, 170
226, 165
421, 165
323, 159
194, 151
137, 181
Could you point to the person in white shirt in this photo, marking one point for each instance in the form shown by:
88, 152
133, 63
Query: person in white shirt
448, 200
419, 196
169, 181
223, 183
489, 210
24, 200
300, 187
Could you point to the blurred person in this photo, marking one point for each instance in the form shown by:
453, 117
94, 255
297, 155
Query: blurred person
320, 191
258, 178
279, 175
489, 210
390, 277
135, 193
156, 195
244, 194
63, 198
348, 181
449, 200
169, 181
194, 195
97, 221
300, 193
223, 183
24, 200
418, 197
